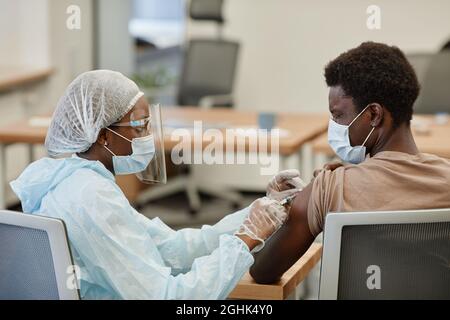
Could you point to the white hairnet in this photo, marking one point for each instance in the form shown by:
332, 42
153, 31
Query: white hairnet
94, 100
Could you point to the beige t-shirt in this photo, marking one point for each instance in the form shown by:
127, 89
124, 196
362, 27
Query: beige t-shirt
388, 181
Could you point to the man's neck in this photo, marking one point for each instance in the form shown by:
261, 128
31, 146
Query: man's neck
399, 139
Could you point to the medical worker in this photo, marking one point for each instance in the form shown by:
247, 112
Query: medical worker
102, 127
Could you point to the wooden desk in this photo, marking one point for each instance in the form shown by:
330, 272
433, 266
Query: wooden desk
247, 288
436, 141
300, 128
13, 77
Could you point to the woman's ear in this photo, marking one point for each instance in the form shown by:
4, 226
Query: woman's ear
376, 114
102, 138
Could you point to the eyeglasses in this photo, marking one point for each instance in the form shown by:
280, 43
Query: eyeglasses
142, 126
134, 123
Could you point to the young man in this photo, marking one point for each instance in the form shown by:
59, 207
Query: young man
372, 91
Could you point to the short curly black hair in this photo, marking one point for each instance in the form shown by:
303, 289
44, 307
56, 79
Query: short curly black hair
376, 73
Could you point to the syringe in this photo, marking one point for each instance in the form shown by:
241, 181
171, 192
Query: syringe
288, 199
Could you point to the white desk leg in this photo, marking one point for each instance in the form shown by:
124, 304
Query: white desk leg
192, 193
320, 159
306, 165
30, 153
284, 162
2, 176
290, 162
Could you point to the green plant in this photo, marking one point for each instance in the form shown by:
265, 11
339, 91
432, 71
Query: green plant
158, 78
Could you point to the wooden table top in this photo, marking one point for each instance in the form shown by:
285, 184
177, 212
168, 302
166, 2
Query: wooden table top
296, 128
429, 136
12, 77
247, 288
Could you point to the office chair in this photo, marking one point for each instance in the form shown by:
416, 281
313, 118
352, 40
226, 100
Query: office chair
435, 96
420, 62
208, 10
445, 46
35, 259
386, 255
209, 65
208, 73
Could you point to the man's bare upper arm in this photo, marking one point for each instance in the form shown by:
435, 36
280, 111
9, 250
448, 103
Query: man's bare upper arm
287, 245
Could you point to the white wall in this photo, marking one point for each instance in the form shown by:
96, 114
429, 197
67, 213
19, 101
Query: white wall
286, 43
24, 32
34, 33
71, 51
114, 42
9, 46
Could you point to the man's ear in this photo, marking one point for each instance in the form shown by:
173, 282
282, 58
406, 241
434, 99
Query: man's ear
376, 114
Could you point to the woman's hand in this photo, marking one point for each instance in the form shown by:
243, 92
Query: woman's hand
284, 184
265, 217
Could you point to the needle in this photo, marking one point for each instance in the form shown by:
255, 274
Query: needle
287, 199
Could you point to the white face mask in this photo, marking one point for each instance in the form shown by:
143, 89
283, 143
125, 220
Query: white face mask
339, 140
143, 152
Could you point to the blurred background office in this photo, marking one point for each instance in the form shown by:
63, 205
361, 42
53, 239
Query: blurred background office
248, 55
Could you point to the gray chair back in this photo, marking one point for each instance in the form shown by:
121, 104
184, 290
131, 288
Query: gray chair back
209, 70
435, 92
35, 259
386, 255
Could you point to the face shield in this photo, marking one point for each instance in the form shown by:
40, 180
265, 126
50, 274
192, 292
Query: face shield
147, 123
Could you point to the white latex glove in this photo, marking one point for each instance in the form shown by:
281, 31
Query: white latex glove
265, 217
286, 183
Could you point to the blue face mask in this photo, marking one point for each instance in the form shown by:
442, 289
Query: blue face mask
143, 151
339, 140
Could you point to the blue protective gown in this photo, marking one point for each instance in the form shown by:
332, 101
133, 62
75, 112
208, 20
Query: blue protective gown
121, 253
